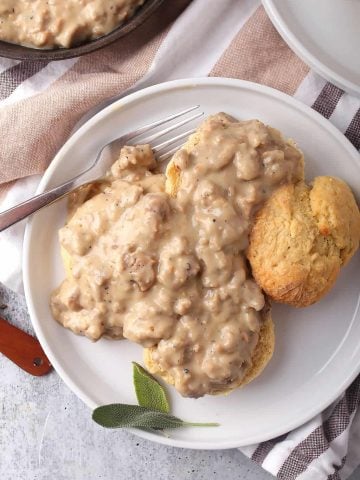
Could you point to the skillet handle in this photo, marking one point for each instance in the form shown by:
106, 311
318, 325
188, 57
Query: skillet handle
23, 349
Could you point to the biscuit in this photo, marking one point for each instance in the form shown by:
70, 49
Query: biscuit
265, 347
261, 357
67, 262
301, 238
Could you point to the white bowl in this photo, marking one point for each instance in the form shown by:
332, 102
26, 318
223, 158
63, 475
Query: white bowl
325, 34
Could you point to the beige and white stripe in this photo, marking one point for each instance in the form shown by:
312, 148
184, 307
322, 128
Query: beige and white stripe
41, 103
245, 45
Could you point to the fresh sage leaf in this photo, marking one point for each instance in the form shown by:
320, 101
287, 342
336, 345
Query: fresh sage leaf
118, 415
149, 392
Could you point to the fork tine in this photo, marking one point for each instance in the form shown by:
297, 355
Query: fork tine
165, 156
172, 127
150, 126
162, 145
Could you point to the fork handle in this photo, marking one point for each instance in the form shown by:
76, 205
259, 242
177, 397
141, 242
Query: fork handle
22, 210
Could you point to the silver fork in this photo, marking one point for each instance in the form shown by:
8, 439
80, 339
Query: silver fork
102, 163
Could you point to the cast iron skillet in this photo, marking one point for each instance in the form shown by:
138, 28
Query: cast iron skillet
20, 52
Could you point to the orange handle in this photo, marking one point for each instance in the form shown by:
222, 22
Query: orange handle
23, 349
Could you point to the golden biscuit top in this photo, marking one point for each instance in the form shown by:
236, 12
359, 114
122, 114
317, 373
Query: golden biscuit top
301, 238
334, 208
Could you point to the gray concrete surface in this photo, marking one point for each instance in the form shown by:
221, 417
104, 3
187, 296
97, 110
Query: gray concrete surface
47, 433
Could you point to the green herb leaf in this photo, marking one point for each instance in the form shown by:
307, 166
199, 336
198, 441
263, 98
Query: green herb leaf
149, 392
119, 415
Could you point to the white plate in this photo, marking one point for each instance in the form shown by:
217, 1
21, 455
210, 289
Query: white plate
325, 34
317, 350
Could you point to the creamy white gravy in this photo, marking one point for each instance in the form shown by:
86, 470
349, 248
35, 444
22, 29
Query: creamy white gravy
171, 273
61, 23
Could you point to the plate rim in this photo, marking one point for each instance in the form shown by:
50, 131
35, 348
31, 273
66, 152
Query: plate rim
134, 97
311, 60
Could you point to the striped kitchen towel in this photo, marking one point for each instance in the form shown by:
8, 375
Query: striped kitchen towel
41, 102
